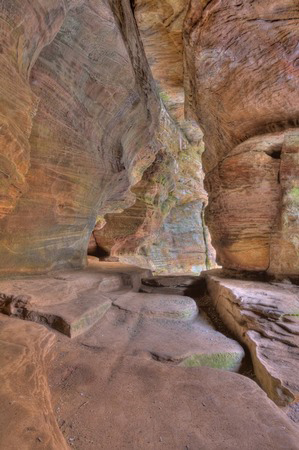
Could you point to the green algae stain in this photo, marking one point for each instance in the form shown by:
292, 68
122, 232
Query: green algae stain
295, 314
226, 361
295, 194
164, 97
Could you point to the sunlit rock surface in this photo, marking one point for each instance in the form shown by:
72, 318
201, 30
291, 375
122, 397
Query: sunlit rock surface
161, 30
241, 72
164, 229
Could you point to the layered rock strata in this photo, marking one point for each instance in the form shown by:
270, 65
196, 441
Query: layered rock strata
164, 230
161, 30
265, 317
169, 327
68, 301
166, 328
27, 417
244, 96
77, 127
81, 128
130, 388
241, 76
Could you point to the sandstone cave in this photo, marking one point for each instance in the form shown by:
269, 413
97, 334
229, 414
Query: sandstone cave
149, 224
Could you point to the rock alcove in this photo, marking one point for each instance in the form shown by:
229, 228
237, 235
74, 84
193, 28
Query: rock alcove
149, 211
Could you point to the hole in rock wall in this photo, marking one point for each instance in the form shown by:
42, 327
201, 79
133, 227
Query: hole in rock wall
274, 153
95, 250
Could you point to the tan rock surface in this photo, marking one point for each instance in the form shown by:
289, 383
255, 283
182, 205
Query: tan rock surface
164, 229
79, 131
110, 401
133, 379
159, 306
27, 419
94, 110
20, 48
68, 301
265, 317
161, 30
241, 67
165, 327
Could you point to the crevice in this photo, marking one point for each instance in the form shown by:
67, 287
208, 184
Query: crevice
260, 19
274, 153
164, 359
205, 237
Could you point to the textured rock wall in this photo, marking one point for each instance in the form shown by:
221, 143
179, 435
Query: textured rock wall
81, 123
161, 25
77, 118
27, 417
20, 46
241, 69
164, 229
265, 318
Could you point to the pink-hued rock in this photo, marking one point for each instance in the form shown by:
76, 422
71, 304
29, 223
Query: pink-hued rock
67, 301
162, 23
109, 400
265, 317
241, 67
87, 110
80, 128
164, 229
26, 27
27, 417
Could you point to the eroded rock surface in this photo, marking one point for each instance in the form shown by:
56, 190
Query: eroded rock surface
81, 128
78, 126
27, 417
164, 230
168, 327
162, 22
242, 83
146, 372
265, 317
68, 301
164, 327
144, 403
20, 48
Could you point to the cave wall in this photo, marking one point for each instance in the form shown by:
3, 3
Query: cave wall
164, 229
94, 138
241, 67
78, 111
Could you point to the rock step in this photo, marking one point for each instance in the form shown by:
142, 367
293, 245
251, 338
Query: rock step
179, 281
70, 302
265, 317
158, 305
168, 328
